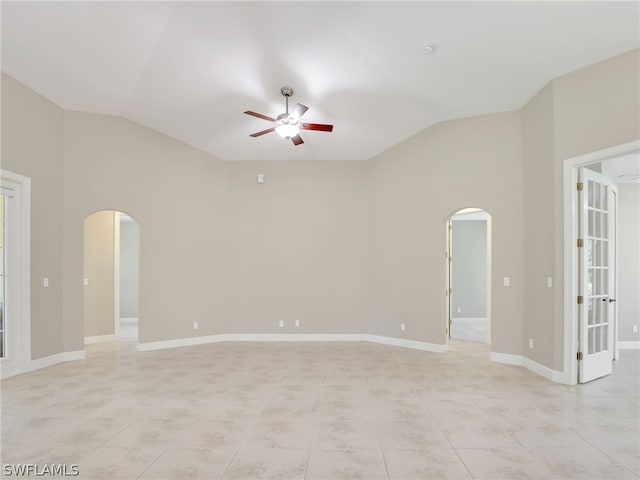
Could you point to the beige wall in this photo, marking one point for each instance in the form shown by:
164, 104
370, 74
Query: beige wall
341, 246
32, 145
629, 261
129, 268
597, 106
593, 108
99, 263
415, 187
539, 211
297, 247
177, 196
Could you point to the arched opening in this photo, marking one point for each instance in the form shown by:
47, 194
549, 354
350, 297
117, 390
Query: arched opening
111, 277
469, 276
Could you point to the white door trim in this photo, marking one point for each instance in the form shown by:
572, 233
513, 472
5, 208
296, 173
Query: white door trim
116, 274
570, 223
448, 255
21, 187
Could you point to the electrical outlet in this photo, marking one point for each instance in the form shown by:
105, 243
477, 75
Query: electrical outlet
459, 310
635, 329
402, 327
531, 343
85, 281
297, 323
549, 282
195, 325
45, 282
507, 281
281, 323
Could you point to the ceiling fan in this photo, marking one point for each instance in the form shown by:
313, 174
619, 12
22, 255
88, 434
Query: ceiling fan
288, 124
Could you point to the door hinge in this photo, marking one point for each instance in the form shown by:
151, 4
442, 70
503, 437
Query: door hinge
580, 186
579, 356
580, 299
580, 243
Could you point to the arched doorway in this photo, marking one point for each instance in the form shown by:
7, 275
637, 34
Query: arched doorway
469, 276
111, 277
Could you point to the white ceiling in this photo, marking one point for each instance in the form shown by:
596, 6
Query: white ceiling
189, 69
627, 167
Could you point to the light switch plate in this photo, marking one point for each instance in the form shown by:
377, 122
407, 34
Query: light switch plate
45, 282
507, 281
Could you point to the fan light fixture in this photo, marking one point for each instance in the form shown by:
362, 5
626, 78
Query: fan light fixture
286, 129
288, 124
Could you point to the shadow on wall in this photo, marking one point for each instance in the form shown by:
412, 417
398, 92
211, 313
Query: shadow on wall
111, 277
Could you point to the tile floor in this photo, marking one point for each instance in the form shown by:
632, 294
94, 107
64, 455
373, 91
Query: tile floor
469, 329
318, 411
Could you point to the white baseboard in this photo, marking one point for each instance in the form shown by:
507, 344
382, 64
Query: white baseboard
291, 337
403, 342
100, 339
629, 345
506, 358
529, 364
51, 360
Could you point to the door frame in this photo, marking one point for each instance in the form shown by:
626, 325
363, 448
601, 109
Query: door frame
570, 252
448, 278
21, 264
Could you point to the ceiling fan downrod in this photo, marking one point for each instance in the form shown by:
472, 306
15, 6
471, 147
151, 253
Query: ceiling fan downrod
286, 93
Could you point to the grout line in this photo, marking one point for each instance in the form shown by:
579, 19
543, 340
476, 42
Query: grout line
151, 464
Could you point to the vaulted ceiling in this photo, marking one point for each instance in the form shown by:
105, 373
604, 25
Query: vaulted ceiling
190, 69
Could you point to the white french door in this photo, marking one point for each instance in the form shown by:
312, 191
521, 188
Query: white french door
15, 331
597, 275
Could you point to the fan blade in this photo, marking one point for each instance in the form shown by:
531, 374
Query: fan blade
259, 115
297, 140
298, 110
323, 127
257, 134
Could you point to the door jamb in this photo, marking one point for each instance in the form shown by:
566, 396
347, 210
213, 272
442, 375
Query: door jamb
448, 255
570, 178
23, 307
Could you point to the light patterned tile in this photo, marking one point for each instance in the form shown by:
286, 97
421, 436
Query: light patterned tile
117, 463
511, 463
433, 464
581, 463
259, 463
190, 463
346, 465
